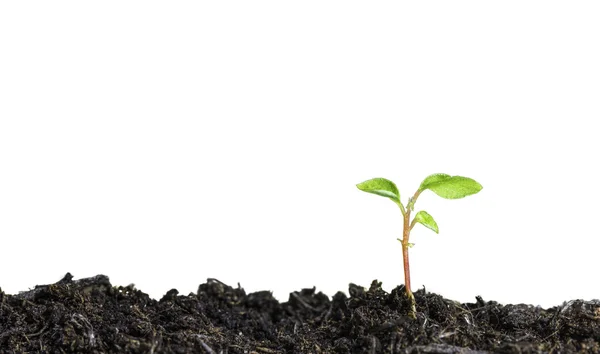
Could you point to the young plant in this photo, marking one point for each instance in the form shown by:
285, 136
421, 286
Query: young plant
446, 186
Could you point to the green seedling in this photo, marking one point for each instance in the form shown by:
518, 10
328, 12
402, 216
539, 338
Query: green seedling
446, 186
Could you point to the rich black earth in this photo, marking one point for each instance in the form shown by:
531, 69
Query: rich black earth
92, 316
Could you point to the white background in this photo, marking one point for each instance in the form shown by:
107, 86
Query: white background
165, 143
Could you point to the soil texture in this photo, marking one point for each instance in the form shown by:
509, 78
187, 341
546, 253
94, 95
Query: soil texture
92, 316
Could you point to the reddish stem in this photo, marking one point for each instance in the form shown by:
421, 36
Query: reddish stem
405, 237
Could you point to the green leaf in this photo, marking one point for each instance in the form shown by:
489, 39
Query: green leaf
427, 220
382, 187
450, 187
434, 178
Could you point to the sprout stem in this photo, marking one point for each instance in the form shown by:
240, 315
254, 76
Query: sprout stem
401, 207
412, 224
408, 225
405, 238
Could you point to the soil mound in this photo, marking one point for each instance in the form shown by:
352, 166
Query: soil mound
92, 316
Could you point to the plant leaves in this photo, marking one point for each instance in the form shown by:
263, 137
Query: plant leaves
450, 187
382, 187
434, 178
424, 218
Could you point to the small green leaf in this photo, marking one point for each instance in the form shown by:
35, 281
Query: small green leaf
434, 178
382, 187
427, 220
451, 187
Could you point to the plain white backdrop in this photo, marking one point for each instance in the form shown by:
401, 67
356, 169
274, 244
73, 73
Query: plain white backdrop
165, 143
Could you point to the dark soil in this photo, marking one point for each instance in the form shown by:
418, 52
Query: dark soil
92, 316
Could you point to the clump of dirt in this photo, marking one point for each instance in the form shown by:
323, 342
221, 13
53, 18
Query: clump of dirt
92, 316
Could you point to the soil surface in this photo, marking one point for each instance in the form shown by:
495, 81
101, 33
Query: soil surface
92, 316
